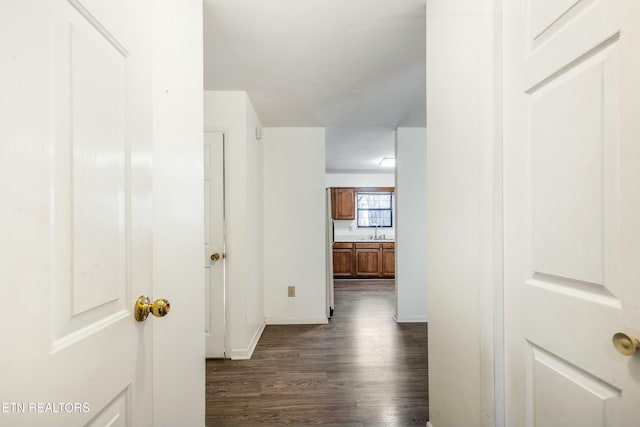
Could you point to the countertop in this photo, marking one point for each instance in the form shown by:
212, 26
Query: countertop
365, 241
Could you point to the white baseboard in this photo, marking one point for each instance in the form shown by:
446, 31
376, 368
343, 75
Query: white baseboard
429, 424
294, 321
256, 338
402, 319
239, 354
246, 353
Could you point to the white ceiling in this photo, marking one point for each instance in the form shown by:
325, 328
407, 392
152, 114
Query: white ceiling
356, 67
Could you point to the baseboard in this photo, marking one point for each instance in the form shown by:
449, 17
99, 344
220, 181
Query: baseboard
256, 338
246, 353
429, 424
419, 319
239, 354
294, 321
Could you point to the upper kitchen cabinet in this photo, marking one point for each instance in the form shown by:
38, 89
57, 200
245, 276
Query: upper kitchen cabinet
343, 203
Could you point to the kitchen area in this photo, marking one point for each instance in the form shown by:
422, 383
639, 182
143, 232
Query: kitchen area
375, 227
363, 234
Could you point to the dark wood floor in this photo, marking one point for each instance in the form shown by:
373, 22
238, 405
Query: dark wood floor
361, 369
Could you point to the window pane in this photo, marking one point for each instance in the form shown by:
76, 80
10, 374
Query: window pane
374, 218
374, 209
374, 201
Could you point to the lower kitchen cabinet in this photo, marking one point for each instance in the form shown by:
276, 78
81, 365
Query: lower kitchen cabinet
368, 260
364, 260
388, 260
343, 262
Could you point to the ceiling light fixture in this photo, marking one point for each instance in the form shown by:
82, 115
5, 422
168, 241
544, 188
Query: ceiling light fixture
388, 162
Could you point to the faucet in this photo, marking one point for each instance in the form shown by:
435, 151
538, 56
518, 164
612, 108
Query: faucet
376, 233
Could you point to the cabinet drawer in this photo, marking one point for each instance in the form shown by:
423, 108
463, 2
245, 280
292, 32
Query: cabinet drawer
343, 245
388, 245
367, 245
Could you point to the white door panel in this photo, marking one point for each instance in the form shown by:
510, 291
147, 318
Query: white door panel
571, 208
90, 256
565, 395
80, 245
214, 243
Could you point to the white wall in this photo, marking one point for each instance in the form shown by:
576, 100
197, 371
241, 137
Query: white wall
294, 218
232, 113
462, 122
382, 179
255, 227
177, 212
348, 231
411, 227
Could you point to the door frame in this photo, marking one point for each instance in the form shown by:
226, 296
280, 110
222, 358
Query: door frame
464, 45
225, 304
490, 160
329, 249
226, 136
178, 185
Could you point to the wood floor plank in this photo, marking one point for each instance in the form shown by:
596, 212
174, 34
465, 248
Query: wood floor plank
361, 369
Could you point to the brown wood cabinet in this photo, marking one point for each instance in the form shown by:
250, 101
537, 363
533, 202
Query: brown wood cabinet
368, 260
343, 262
343, 203
388, 260
364, 260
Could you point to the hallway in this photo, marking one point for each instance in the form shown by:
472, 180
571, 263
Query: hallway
360, 369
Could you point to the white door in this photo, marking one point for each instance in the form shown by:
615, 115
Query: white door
572, 211
214, 243
75, 136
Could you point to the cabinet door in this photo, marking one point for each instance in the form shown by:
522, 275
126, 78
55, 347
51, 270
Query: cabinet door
342, 262
388, 262
343, 203
368, 261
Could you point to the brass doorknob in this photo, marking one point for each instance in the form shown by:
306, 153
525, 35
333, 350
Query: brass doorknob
626, 344
143, 307
215, 257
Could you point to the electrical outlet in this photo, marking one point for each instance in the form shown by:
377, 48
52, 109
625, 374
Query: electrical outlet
292, 291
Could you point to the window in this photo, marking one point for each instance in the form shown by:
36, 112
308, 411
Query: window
374, 209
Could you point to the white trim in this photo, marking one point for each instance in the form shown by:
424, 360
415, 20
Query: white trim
213, 129
227, 133
242, 354
490, 214
245, 354
294, 321
429, 424
403, 319
497, 402
256, 339
481, 21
